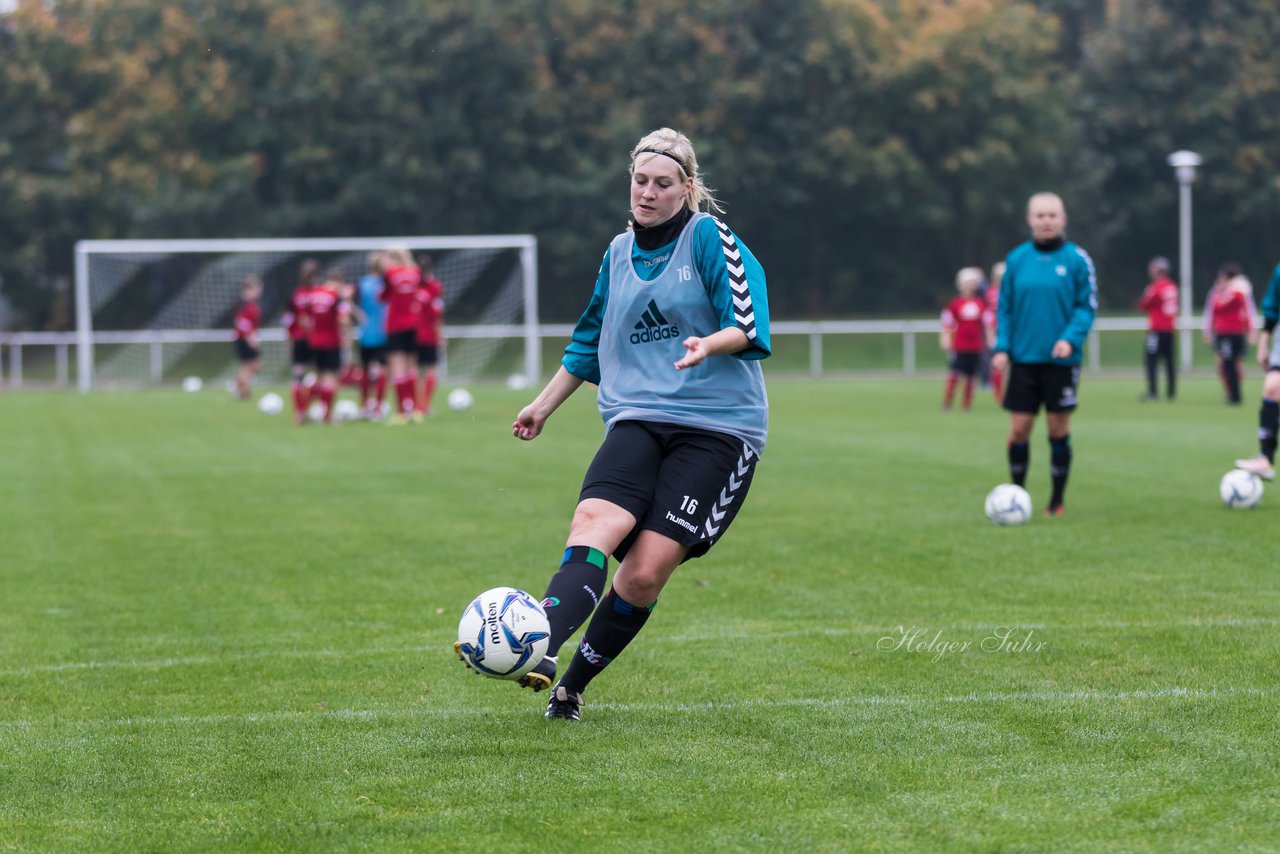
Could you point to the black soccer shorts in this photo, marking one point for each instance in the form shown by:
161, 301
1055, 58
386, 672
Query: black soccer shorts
1053, 386
682, 482
965, 364
327, 358
428, 354
300, 352
1231, 346
245, 351
403, 341
373, 355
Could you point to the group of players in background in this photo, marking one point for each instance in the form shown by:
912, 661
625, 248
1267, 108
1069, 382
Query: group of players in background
393, 316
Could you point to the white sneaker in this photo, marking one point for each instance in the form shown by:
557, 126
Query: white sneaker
1259, 466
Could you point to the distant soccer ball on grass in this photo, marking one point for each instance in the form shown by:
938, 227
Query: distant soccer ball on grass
192, 384
460, 399
346, 410
517, 382
271, 404
503, 633
1240, 489
1008, 504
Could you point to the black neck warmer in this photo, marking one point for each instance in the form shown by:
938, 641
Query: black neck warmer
657, 236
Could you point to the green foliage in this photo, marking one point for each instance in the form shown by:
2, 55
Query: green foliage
1200, 76
865, 149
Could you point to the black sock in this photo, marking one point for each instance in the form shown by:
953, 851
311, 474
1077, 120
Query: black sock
1151, 374
615, 623
1019, 458
573, 592
1231, 372
1268, 425
1059, 467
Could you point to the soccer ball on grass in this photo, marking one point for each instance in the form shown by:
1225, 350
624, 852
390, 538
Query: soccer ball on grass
1240, 489
459, 399
503, 633
271, 404
346, 410
1008, 504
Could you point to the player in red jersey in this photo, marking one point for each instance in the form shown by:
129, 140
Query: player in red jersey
1160, 301
329, 312
401, 281
296, 324
993, 302
247, 321
352, 373
430, 332
1229, 317
965, 324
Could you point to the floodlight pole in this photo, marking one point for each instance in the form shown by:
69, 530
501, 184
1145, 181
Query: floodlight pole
1184, 164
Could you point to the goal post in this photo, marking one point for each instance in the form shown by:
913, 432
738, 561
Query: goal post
148, 310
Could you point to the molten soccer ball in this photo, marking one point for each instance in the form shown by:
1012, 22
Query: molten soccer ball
503, 633
1008, 504
459, 399
1240, 489
271, 404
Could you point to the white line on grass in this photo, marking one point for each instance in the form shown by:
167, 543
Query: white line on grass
880, 631
865, 701
224, 658
872, 632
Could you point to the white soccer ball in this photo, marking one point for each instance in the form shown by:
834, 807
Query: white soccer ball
1008, 504
460, 399
346, 410
503, 633
192, 384
1240, 489
271, 404
517, 382
315, 412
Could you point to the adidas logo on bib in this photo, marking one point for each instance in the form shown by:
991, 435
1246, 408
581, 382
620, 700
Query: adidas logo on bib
652, 326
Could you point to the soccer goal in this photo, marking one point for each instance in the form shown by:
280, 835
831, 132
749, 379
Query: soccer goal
156, 311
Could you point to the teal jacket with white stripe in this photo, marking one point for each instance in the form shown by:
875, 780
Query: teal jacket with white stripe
1048, 294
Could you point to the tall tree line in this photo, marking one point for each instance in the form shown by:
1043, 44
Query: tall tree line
865, 148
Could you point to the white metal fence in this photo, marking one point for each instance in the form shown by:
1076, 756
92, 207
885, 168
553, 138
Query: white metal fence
914, 335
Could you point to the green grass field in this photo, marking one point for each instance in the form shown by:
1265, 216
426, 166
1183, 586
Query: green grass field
221, 632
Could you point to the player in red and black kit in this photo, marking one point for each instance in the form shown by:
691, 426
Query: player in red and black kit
430, 332
401, 281
965, 324
296, 324
247, 321
329, 311
993, 302
1160, 301
1229, 316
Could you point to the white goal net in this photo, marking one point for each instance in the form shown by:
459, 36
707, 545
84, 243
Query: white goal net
157, 311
